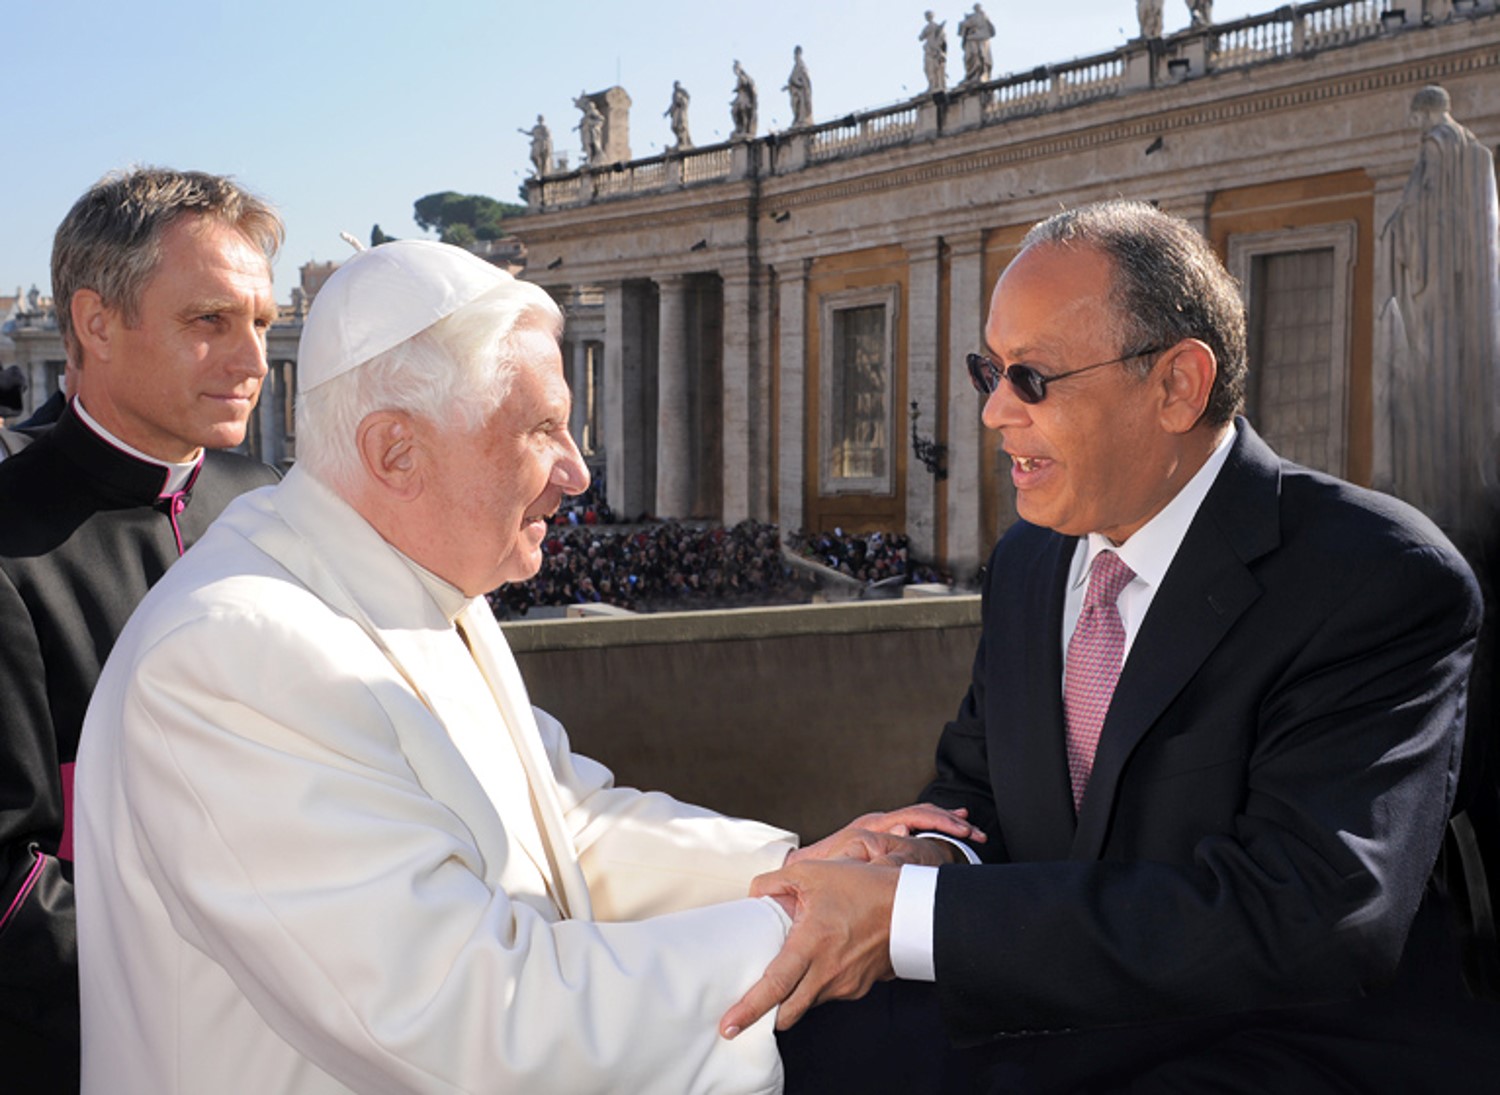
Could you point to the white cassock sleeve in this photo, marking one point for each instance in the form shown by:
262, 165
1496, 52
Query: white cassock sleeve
646, 853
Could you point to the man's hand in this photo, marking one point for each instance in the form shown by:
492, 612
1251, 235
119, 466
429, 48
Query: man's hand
839, 944
869, 837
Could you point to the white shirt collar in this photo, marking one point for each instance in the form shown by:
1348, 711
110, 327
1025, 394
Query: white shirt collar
177, 474
1150, 551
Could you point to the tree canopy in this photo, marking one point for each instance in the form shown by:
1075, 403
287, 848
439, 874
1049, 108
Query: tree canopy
463, 218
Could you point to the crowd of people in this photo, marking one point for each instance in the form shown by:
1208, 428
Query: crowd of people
878, 558
658, 567
665, 565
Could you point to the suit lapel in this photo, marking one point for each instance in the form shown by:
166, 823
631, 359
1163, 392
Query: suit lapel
1207, 588
1035, 775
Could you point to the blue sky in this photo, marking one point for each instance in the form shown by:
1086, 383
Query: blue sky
344, 112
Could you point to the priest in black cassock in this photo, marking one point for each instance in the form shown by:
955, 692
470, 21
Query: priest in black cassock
162, 283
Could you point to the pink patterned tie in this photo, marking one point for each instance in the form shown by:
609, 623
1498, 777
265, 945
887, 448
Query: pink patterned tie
1094, 656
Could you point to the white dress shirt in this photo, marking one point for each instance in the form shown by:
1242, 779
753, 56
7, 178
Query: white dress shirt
1149, 553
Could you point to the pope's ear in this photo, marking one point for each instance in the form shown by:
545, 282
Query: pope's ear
1188, 372
390, 453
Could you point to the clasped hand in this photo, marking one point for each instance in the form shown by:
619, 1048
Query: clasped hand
839, 894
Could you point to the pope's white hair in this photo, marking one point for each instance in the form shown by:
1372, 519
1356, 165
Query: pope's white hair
455, 374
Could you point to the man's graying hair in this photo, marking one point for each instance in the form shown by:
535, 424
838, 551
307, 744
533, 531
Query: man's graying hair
110, 241
1168, 285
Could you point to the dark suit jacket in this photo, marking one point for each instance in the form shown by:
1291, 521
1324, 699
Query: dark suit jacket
83, 535
1269, 794
46, 413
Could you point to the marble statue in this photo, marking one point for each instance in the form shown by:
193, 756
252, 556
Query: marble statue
799, 87
676, 114
1444, 247
1202, 12
934, 55
975, 31
591, 131
1149, 14
742, 107
541, 147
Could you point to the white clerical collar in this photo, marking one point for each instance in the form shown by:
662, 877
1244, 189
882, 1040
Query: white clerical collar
177, 474
1150, 551
449, 598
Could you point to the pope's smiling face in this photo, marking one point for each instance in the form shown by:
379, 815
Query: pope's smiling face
496, 486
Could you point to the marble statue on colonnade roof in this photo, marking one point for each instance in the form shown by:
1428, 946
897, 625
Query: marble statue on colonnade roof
590, 131
976, 30
541, 146
742, 108
1444, 315
676, 114
934, 54
1149, 14
1202, 12
799, 87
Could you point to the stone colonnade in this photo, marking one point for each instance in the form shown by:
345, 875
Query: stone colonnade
708, 382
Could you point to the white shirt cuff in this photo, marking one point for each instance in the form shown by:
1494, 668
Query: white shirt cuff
911, 915
911, 923
959, 844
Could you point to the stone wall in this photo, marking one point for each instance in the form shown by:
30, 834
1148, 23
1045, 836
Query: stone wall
805, 717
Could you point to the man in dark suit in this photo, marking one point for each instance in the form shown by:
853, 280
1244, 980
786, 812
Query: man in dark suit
1215, 786
162, 283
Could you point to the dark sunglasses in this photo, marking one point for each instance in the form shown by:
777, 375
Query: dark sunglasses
1030, 385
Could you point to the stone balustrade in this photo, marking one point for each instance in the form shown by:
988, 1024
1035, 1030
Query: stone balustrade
862, 132
1138, 66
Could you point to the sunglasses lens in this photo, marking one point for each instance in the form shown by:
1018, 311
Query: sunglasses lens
983, 374
1028, 383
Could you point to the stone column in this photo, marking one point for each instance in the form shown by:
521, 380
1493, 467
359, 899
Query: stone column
613, 404
763, 411
738, 391
922, 339
271, 408
965, 430
578, 381
791, 460
674, 427
624, 425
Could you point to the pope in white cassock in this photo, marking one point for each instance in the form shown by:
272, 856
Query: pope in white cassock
326, 844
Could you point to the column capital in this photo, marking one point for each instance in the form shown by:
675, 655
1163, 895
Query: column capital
965, 243
793, 269
923, 249
738, 274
